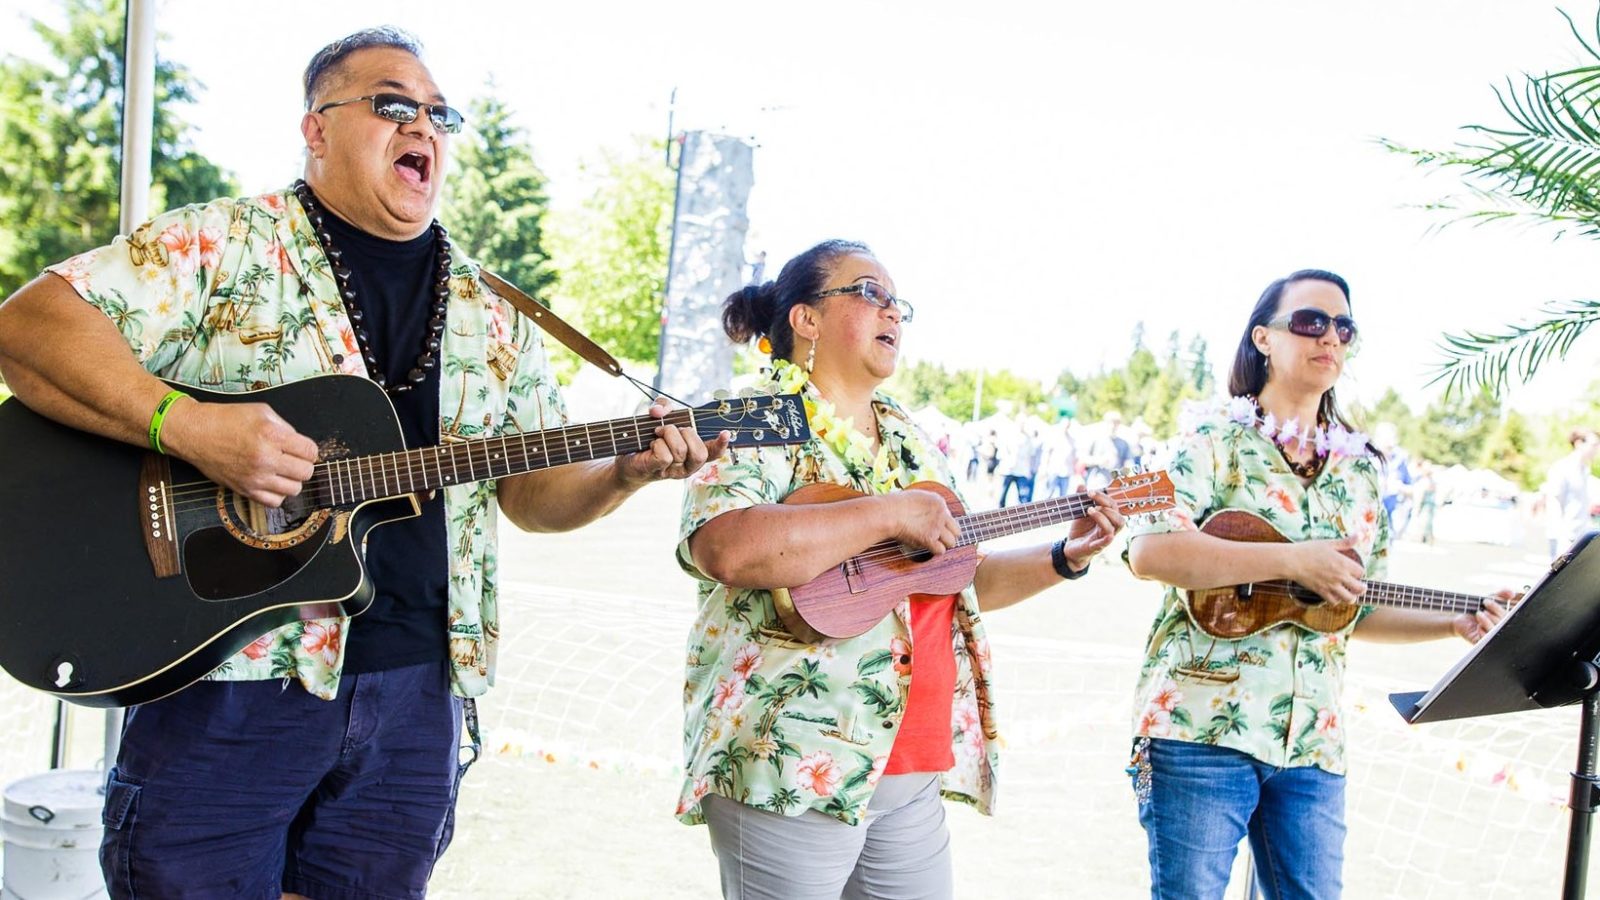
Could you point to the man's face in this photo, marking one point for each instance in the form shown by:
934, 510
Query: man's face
382, 176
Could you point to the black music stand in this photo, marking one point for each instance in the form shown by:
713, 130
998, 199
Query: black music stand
1545, 653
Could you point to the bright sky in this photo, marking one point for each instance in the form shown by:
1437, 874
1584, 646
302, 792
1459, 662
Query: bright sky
1037, 177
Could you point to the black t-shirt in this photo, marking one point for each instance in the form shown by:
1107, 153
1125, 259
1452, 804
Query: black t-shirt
407, 560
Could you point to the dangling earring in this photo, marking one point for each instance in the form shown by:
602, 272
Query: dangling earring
811, 355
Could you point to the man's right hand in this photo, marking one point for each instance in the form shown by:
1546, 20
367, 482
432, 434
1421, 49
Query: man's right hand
921, 519
1323, 567
244, 446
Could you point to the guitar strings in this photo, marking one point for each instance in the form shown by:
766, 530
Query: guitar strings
365, 470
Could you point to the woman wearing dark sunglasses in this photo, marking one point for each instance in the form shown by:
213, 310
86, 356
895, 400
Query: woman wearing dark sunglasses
820, 767
1239, 739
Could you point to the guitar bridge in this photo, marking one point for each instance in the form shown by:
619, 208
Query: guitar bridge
156, 519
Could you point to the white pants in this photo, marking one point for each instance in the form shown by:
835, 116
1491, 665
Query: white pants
900, 852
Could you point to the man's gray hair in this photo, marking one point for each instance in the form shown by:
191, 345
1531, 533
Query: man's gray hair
328, 58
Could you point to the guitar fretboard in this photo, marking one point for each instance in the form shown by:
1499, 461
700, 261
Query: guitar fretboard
380, 476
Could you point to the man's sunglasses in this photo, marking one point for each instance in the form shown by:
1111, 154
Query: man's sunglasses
1313, 323
875, 294
403, 109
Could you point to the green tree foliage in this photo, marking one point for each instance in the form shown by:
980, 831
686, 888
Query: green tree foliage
496, 200
612, 253
1509, 450
923, 383
61, 126
1150, 387
1538, 166
1146, 386
1454, 430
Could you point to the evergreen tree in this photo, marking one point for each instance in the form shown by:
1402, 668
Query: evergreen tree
1454, 430
1200, 376
1509, 449
496, 200
61, 125
612, 254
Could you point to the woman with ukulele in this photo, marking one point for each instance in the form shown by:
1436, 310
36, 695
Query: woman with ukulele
819, 766
1243, 737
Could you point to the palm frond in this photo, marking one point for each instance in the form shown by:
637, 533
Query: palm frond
1476, 360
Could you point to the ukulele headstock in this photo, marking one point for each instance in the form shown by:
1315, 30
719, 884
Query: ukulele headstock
1142, 493
754, 419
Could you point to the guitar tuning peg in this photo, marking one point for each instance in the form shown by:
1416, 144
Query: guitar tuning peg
746, 392
720, 394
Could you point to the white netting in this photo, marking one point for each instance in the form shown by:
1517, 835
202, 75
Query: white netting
575, 796
591, 682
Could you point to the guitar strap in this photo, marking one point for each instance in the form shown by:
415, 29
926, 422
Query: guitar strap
546, 318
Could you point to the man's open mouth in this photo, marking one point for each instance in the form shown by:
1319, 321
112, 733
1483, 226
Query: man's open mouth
414, 167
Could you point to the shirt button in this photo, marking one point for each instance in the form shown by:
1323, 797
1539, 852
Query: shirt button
887, 723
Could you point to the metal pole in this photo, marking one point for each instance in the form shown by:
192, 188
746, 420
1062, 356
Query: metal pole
672, 251
138, 124
61, 735
1583, 802
138, 111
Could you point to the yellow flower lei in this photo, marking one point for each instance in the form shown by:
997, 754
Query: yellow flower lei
887, 467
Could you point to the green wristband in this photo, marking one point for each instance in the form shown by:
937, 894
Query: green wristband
160, 416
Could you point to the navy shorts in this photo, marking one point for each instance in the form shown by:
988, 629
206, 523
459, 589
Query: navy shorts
249, 789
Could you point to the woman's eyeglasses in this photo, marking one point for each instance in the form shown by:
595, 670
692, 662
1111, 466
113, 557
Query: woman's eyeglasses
1313, 323
876, 295
403, 109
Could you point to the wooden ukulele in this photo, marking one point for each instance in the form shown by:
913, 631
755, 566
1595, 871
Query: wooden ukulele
1241, 610
126, 576
851, 597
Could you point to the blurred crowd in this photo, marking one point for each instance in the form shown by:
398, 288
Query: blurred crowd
1005, 460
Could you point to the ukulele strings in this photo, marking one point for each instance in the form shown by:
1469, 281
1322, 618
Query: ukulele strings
994, 521
1442, 600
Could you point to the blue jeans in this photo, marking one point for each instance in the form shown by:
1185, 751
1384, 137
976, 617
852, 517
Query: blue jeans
248, 789
1204, 800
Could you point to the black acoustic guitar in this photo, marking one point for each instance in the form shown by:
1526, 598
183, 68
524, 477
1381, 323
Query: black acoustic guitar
126, 575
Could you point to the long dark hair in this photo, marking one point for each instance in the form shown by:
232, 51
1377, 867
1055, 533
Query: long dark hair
762, 310
1249, 373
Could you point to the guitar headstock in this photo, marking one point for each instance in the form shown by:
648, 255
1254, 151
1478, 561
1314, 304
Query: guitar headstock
1142, 493
755, 420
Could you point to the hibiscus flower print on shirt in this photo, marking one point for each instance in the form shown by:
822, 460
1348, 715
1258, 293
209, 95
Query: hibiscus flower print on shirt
1265, 694
818, 773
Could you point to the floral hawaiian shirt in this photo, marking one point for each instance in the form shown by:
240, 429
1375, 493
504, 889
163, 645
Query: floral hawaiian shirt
236, 295
1276, 695
787, 726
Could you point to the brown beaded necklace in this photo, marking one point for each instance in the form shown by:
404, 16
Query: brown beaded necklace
1308, 470
431, 341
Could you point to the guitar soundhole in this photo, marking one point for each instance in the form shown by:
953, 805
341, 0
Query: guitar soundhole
269, 528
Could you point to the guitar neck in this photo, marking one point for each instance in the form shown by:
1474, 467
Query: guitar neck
997, 523
384, 475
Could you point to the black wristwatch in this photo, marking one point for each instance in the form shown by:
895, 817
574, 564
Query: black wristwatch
1058, 561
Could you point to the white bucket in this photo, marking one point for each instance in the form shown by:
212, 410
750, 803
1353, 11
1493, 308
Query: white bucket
50, 825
